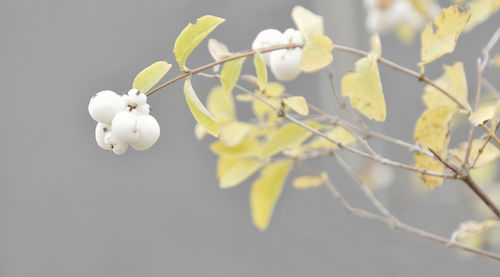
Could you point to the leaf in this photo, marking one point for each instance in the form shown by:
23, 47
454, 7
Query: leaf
286, 136
298, 104
221, 105
485, 113
249, 147
405, 33
422, 6
199, 131
230, 73
200, 113
489, 154
224, 163
261, 70
192, 36
307, 22
317, 53
376, 46
150, 76
338, 134
239, 172
218, 50
431, 131
266, 191
480, 11
365, 89
233, 133
449, 24
261, 109
274, 89
471, 233
453, 80
309, 181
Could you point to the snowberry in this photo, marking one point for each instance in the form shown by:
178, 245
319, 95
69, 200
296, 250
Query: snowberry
143, 108
149, 132
100, 133
105, 105
124, 127
119, 147
267, 38
291, 35
135, 98
285, 63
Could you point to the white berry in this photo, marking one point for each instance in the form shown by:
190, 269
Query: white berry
136, 98
120, 148
105, 105
267, 38
124, 127
143, 108
149, 132
100, 133
291, 35
285, 63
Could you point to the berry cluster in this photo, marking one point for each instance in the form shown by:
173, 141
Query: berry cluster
123, 121
284, 63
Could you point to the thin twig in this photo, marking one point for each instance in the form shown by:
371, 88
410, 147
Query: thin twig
476, 104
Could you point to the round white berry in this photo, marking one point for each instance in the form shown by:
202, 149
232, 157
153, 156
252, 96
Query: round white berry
100, 133
120, 148
105, 105
285, 63
143, 108
149, 132
136, 98
291, 35
267, 38
124, 127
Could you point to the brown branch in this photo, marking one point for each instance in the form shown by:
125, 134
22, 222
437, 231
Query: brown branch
472, 185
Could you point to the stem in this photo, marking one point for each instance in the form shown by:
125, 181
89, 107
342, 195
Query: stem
210, 65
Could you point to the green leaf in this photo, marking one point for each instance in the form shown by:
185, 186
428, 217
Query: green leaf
199, 111
192, 36
261, 70
365, 89
266, 191
221, 105
231, 134
288, 135
239, 172
230, 73
150, 76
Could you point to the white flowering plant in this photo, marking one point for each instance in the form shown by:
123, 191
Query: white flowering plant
288, 131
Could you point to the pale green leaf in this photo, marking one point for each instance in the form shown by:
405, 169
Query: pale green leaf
150, 76
307, 22
221, 105
317, 53
266, 191
365, 89
439, 38
288, 135
309, 181
298, 104
239, 172
231, 134
199, 131
249, 147
192, 36
261, 70
224, 163
200, 113
230, 73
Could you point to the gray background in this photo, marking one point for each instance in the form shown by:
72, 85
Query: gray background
68, 208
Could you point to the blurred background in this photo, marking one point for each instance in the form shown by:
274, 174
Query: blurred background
69, 208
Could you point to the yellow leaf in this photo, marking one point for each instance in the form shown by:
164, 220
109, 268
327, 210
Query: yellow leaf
365, 89
239, 172
431, 131
288, 135
484, 175
224, 163
266, 191
311, 181
480, 11
471, 233
230, 73
405, 33
337, 134
449, 24
422, 6
261, 70
233, 133
485, 113
298, 104
191, 37
307, 22
199, 131
274, 89
248, 147
200, 113
376, 46
221, 105
317, 53
453, 80
150, 76
489, 154
496, 60
261, 109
